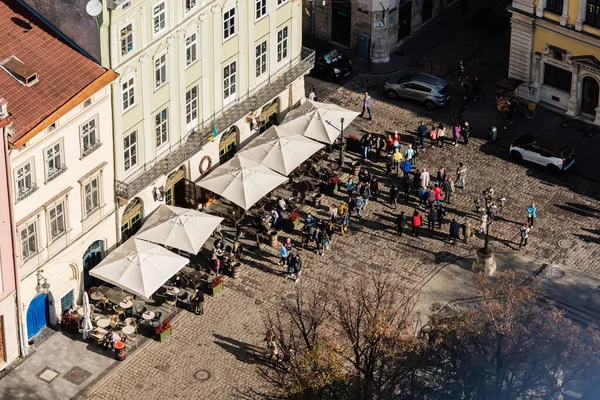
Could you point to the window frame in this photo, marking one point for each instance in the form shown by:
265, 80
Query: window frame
229, 30
232, 95
588, 7
161, 71
555, 6
92, 146
262, 5
156, 17
98, 190
187, 9
27, 239
261, 58
122, 37
192, 104
564, 70
63, 204
57, 154
161, 127
33, 187
283, 44
282, 2
129, 91
191, 48
130, 151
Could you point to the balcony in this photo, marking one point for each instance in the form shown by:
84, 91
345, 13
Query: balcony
194, 140
53, 173
26, 192
90, 149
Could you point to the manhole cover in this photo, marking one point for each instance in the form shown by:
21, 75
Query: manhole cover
202, 375
47, 374
258, 302
77, 375
565, 243
556, 273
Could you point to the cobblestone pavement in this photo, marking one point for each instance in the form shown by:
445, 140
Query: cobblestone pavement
214, 356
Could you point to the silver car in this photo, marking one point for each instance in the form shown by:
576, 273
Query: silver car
423, 88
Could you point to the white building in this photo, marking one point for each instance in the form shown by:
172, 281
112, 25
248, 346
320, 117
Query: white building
61, 156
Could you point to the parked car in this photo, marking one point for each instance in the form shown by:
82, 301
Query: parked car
332, 65
423, 88
543, 151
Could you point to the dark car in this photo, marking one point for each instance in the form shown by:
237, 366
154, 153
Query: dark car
543, 151
332, 65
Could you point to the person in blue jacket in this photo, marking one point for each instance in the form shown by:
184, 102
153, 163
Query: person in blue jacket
531, 214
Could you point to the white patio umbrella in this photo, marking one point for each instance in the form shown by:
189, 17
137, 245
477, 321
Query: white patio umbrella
180, 228
139, 267
86, 326
242, 181
319, 121
281, 149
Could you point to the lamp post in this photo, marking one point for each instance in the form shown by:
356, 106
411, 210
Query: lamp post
485, 258
342, 143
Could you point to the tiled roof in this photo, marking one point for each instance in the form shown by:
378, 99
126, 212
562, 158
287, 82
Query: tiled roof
62, 70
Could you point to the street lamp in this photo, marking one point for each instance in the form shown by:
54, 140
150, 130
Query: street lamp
342, 143
485, 259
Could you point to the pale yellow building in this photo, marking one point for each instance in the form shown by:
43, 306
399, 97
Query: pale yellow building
555, 51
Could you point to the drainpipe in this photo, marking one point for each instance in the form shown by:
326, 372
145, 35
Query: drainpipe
21, 331
312, 18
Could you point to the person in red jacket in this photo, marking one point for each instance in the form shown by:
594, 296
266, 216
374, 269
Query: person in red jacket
416, 223
438, 194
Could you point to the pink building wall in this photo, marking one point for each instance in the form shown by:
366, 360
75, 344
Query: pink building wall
7, 270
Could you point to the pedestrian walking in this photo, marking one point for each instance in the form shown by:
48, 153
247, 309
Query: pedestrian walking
424, 178
345, 220
366, 142
409, 153
198, 300
408, 185
350, 186
366, 106
483, 223
531, 214
297, 267
466, 87
448, 190
379, 146
461, 175
437, 191
422, 132
288, 245
291, 267
455, 134
406, 166
441, 212
312, 96
333, 212
454, 231
467, 231
460, 69
326, 242
374, 189
366, 195
396, 161
416, 223
476, 87
423, 196
394, 196
525, 231
441, 135
431, 218
466, 132
318, 238
358, 207
401, 222
283, 255
433, 136
441, 175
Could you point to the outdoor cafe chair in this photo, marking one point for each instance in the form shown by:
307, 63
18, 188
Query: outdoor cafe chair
139, 309
118, 310
133, 338
130, 321
114, 321
156, 318
172, 302
93, 289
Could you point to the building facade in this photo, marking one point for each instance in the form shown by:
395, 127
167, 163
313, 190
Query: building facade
61, 168
555, 51
198, 79
371, 28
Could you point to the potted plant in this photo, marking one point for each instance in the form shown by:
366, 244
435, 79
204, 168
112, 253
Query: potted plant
333, 183
163, 330
294, 218
69, 323
215, 286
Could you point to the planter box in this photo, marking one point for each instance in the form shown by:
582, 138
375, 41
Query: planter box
161, 337
71, 328
215, 290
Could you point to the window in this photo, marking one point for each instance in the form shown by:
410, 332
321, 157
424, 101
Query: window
91, 195
126, 39
229, 89
87, 103
52, 127
191, 105
280, 2
554, 6
28, 241
126, 5
282, 44
162, 128
261, 58
557, 77
130, 150
160, 71
56, 218
89, 138
25, 180
189, 4
54, 165
261, 8
228, 24
66, 302
592, 13
159, 17
128, 93
191, 53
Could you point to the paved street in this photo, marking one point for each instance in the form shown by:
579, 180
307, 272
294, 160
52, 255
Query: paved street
214, 355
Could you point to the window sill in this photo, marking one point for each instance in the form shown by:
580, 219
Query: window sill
53, 240
190, 65
91, 213
257, 20
55, 175
283, 4
27, 193
90, 149
162, 85
230, 37
129, 109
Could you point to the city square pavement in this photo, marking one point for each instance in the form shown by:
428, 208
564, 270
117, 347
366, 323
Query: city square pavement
215, 355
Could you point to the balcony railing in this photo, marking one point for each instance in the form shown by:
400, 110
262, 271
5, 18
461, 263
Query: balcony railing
26, 192
55, 172
189, 145
92, 148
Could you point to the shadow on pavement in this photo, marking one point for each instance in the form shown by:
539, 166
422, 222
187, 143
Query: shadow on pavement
244, 352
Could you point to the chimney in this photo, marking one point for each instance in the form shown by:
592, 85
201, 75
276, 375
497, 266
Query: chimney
21, 72
3, 108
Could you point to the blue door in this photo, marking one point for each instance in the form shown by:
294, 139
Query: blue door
37, 315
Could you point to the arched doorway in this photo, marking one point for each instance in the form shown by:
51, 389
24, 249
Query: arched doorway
37, 315
178, 191
132, 219
228, 145
404, 19
589, 95
268, 115
341, 25
92, 257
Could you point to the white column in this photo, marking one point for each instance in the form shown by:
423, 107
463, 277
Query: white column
539, 10
574, 103
580, 15
536, 69
565, 12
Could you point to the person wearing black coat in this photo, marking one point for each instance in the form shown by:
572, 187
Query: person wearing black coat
199, 299
454, 231
394, 196
465, 132
401, 222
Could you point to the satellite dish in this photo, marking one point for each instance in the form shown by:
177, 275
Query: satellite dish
94, 8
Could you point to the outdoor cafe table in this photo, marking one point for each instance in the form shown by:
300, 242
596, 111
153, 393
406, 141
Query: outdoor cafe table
103, 323
229, 211
97, 296
173, 291
126, 304
99, 334
128, 329
148, 315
